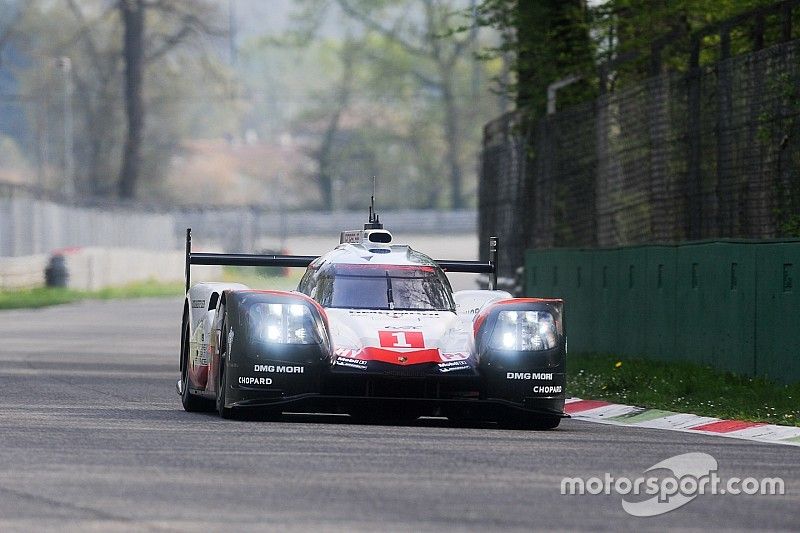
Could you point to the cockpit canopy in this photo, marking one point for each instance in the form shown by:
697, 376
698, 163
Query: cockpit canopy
378, 286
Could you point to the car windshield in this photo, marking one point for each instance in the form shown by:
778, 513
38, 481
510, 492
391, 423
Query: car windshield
405, 287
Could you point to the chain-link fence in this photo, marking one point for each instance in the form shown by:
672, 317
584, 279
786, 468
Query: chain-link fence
713, 153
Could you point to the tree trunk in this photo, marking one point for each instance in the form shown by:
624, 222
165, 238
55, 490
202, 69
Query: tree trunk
453, 139
325, 151
133, 13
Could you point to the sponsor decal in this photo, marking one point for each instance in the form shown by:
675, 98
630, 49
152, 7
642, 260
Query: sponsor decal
247, 380
196, 304
279, 369
351, 237
547, 389
530, 375
456, 356
360, 364
451, 366
401, 339
202, 355
401, 328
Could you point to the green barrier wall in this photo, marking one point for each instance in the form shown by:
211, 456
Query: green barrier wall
734, 305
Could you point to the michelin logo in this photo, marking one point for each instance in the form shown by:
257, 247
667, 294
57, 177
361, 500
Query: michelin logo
279, 369
450, 366
360, 364
530, 375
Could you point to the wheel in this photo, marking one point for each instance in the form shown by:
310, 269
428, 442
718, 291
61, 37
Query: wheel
224, 412
528, 421
190, 402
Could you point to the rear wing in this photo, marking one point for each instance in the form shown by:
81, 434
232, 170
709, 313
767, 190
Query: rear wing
256, 260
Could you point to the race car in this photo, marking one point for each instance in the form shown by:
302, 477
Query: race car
373, 330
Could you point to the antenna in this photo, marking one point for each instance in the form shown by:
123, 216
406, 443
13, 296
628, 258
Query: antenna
374, 219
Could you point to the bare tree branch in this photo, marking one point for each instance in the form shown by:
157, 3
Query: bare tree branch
391, 34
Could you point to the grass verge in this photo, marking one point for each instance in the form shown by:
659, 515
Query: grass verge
46, 296
682, 387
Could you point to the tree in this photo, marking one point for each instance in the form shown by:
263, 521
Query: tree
438, 50
184, 19
324, 154
182, 89
550, 40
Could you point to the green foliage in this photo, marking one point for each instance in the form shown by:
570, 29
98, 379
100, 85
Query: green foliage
551, 39
682, 387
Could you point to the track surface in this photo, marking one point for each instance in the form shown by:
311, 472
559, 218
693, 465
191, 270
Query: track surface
92, 436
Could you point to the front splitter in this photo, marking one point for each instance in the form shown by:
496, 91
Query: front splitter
318, 403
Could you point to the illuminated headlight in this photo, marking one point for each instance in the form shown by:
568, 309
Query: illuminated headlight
288, 324
525, 331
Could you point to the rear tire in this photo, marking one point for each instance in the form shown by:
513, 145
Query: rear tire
190, 402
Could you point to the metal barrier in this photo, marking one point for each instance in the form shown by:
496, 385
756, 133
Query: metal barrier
733, 305
32, 223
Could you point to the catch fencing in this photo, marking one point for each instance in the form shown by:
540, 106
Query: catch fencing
713, 153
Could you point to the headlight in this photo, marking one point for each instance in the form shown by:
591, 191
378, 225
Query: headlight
287, 324
524, 331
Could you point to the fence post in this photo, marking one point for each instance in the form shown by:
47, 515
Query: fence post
694, 201
661, 217
725, 195
543, 227
604, 223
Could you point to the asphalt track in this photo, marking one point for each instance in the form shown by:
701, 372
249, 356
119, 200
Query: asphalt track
92, 437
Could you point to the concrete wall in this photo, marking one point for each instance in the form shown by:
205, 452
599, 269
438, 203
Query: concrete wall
95, 268
24, 272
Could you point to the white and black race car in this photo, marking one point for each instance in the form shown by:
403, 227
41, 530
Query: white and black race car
374, 330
